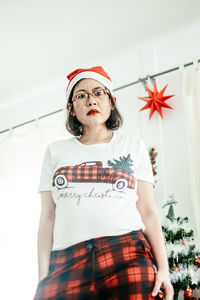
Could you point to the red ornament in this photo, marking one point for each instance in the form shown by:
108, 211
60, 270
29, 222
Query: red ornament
194, 298
164, 237
188, 293
156, 100
176, 268
160, 296
184, 241
197, 262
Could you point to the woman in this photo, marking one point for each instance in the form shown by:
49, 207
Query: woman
99, 234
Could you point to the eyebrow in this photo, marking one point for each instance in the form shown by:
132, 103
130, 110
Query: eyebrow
98, 87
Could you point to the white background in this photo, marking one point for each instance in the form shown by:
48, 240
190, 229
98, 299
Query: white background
42, 42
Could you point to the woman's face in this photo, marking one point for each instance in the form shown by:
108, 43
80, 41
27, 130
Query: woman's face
82, 108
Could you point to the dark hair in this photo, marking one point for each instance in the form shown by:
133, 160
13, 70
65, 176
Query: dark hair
73, 125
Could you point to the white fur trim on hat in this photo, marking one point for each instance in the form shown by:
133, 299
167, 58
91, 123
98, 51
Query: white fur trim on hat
89, 74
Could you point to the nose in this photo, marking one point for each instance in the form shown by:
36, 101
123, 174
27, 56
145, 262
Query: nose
91, 100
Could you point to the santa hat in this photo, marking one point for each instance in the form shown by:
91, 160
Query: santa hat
96, 73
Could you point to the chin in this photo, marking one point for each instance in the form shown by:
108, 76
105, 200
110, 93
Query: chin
93, 120
94, 123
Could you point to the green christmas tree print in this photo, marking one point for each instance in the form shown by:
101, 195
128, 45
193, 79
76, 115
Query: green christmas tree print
124, 163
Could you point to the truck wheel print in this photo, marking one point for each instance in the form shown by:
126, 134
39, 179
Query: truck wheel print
120, 185
61, 181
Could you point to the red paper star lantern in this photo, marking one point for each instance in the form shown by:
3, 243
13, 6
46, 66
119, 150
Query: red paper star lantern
156, 100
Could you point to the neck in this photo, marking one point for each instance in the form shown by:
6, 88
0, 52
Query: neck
96, 135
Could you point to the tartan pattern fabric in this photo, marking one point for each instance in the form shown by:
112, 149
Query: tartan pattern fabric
91, 172
104, 268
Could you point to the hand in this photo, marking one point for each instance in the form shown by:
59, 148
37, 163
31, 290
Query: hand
162, 281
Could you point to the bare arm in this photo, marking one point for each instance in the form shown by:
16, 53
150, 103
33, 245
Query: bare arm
153, 231
45, 233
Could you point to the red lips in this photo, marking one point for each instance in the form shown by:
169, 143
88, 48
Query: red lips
92, 112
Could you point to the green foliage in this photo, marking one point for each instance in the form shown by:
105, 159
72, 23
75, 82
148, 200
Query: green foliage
124, 163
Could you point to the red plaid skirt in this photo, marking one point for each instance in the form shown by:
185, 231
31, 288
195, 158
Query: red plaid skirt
108, 267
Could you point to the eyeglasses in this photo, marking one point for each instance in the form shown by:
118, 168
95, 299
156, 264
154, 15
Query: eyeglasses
98, 94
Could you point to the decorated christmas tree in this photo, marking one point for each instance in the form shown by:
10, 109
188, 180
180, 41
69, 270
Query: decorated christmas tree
183, 258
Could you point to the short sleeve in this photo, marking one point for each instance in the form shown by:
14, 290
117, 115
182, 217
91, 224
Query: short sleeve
46, 172
143, 167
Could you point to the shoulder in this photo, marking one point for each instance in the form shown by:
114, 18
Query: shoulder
136, 141
135, 144
59, 144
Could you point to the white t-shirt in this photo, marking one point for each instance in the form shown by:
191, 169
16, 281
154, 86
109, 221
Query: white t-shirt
94, 187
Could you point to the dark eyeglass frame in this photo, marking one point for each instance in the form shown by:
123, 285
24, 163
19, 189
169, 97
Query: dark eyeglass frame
88, 94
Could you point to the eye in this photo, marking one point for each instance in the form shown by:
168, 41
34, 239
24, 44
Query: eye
81, 96
99, 93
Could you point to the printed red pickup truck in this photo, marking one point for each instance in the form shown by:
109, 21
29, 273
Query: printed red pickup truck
93, 171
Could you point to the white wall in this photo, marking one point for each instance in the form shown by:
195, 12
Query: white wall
151, 56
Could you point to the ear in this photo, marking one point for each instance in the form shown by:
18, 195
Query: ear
115, 99
69, 107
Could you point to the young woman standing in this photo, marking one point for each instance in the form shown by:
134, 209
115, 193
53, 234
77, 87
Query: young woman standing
99, 233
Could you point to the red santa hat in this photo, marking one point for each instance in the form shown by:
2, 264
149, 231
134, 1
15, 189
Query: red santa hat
96, 73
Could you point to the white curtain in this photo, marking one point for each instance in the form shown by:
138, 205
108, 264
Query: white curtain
21, 154
191, 99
